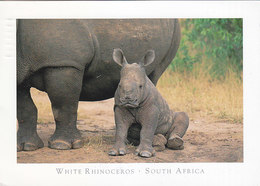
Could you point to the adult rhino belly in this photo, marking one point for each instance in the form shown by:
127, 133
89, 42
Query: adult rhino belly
98, 88
134, 37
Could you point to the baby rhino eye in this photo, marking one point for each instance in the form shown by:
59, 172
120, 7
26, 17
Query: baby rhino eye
140, 86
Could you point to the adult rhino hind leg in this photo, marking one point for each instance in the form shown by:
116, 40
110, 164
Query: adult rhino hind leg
27, 137
179, 128
169, 56
63, 86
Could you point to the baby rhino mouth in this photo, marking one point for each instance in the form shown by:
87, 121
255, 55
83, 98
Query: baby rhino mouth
129, 103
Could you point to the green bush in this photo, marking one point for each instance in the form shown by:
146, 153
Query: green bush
216, 43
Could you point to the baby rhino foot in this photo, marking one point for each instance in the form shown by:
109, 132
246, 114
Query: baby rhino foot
159, 142
117, 151
145, 152
175, 142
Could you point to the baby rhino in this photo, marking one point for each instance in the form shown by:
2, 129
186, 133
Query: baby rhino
141, 114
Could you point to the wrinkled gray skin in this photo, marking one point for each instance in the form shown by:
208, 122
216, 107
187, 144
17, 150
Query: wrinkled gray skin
138, 102
71, 61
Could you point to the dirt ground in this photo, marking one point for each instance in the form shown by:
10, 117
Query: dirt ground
205, 141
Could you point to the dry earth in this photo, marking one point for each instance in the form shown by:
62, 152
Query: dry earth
205, 141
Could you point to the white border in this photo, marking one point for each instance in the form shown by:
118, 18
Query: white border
245, 173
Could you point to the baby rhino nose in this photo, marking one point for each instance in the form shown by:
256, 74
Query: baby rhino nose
127, 97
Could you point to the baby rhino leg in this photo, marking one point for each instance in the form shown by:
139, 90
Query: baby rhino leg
159, 142
133, 137
179, 128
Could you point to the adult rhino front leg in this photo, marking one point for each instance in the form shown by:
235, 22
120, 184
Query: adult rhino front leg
63, 85
27, 137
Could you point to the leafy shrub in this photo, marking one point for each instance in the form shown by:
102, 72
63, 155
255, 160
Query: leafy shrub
215, 43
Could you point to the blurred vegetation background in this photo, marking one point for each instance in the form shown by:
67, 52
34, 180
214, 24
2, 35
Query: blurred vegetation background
205, 78
214, 44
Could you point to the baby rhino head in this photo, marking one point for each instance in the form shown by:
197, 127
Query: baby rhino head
132, 83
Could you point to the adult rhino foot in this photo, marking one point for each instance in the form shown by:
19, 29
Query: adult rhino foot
66, 142
159, 142
28, 143
145, 152
175, 142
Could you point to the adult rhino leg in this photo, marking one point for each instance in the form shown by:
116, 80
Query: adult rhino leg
63, 86
179, 128
27, 137
169, 56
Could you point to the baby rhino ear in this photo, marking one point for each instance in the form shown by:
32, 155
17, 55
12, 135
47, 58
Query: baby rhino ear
148, 58
119, 57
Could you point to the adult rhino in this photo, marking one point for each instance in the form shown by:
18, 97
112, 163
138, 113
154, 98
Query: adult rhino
71, 60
